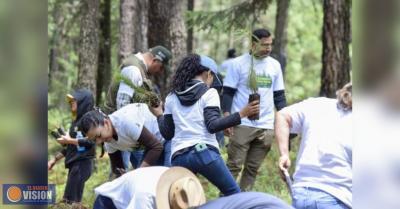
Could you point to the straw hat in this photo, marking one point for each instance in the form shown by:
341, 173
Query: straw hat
179, 188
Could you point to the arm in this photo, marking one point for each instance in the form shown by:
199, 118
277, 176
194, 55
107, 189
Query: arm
227, 98
166, 126
130, 76
165, 122
67, 139
282, 129
117, 165
57, 157
214, 122
153, 148
279, 99
86, 143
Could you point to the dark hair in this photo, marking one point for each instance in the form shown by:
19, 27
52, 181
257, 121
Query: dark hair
188, 68
91, 119
231, 53
260, 33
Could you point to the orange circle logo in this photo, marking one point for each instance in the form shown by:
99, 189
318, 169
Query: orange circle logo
14, 194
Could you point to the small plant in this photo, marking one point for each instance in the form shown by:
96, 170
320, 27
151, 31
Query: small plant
142, 95
252, 80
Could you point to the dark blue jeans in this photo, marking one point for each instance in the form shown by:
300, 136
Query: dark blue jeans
209, 164
136, 158
167, 153
311, 198
103, 202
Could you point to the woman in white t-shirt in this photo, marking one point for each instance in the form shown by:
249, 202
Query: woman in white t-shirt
191, 119
124, 130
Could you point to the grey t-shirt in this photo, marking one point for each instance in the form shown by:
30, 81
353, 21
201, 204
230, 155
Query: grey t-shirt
247, 200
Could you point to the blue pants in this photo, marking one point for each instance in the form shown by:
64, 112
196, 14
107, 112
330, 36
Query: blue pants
167, 153
209, 164
136, 158
311, 198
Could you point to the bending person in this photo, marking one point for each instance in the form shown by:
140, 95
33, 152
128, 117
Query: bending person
191, 119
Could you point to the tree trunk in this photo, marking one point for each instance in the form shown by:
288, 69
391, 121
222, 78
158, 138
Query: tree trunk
57, 75
141, 22
104, 68
336, 36
126, 28
167, 28
89, 46
190, 30
280, 39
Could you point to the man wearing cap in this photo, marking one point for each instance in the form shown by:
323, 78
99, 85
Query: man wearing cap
137, 68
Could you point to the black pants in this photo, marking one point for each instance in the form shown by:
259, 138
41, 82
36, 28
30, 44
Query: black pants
79, 172
103, 202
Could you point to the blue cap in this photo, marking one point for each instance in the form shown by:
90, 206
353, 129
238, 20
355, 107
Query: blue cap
209, 63
212, 65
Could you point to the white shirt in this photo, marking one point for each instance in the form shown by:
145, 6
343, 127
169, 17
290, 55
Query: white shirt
269, 79
132, 73
135, 189
225, 65
324, 160
128, 123
190, 128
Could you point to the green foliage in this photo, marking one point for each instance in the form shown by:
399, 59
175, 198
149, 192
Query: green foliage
141, 94
304, 50
236, 16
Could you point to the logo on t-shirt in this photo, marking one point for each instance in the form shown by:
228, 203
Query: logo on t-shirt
264, 81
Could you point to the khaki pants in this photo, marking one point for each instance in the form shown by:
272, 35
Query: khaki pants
247, 148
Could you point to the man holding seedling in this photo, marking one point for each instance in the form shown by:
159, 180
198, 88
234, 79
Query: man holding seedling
253, 76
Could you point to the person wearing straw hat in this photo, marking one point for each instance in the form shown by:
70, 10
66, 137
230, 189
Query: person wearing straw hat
191, 119
151, 187
323, 174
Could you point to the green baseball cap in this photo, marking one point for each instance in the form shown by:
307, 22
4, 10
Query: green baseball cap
163, 54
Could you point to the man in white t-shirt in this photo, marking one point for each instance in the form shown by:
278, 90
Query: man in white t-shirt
250, 142
323, 174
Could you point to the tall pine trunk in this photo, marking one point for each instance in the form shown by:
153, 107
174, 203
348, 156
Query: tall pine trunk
141, 22
167, 28
336, 37
104, 68
126, 28
89, 46
280, 39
